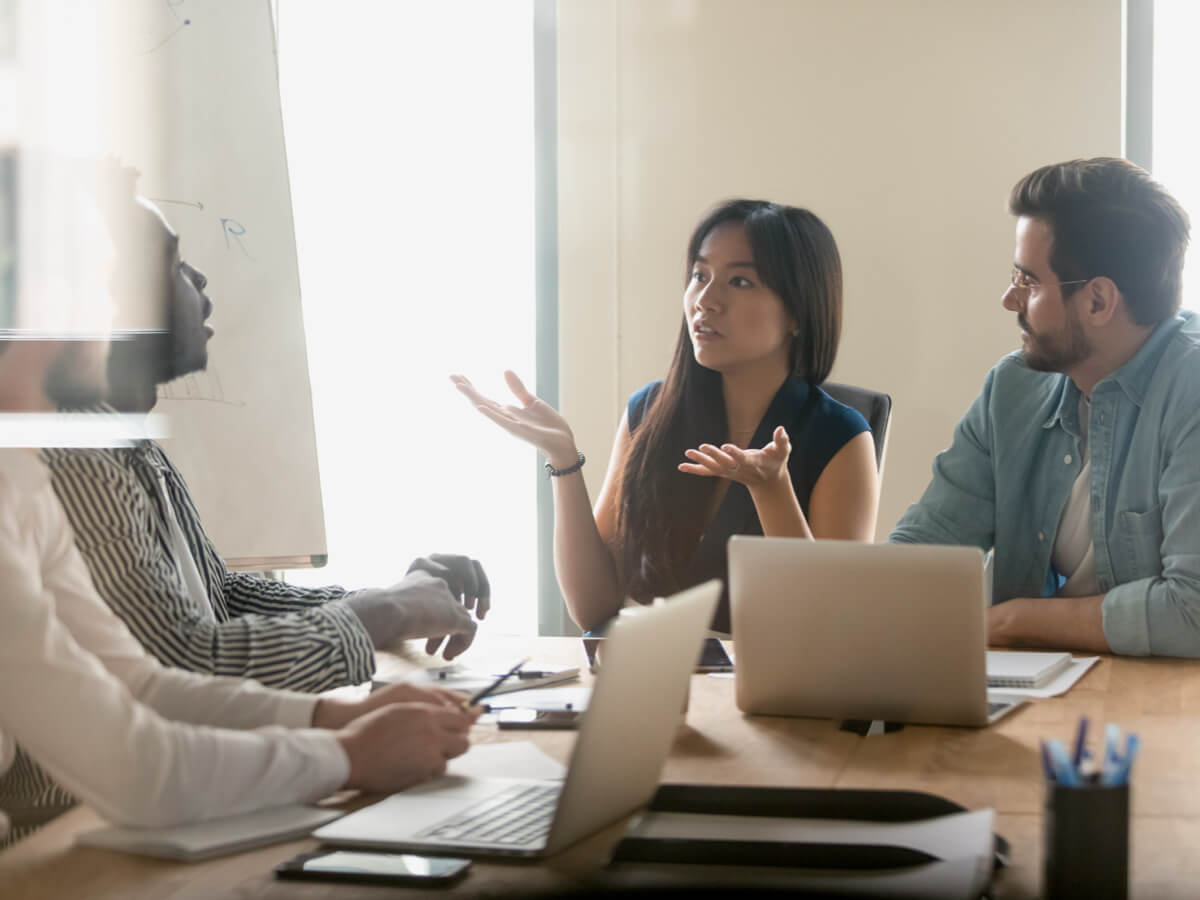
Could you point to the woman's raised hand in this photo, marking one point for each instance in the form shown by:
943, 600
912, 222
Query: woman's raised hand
534, 421
753, 468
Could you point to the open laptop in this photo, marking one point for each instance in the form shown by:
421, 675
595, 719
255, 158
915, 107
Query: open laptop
623, 741
839, 629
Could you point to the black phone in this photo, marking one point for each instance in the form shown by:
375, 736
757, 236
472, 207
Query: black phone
713, 657
538, 718
366, 867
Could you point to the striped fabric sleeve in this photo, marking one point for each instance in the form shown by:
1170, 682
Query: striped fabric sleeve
309, 649
247, 592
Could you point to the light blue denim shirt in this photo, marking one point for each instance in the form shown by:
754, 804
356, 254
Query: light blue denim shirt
1004, 481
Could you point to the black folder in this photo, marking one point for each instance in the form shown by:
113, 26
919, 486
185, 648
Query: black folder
680, 856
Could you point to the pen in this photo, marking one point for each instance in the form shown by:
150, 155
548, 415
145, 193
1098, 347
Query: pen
1064, 772
1080, 742
1110, 760
479, 695
1119, 773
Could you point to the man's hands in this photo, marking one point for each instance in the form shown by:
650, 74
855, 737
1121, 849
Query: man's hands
402, 744
333, 713
431, 601
464, 576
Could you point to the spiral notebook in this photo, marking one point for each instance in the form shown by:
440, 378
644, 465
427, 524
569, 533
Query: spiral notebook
1024, 670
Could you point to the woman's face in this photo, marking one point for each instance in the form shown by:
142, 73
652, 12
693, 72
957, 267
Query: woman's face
735, 322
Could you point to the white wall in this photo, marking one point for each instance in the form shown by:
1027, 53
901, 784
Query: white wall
902, 123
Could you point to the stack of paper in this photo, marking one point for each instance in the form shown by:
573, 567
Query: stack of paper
469, 681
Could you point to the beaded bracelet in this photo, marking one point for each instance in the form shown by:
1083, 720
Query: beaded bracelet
554, 473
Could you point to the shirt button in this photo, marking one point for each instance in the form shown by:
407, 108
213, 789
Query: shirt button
1041, 537
1067, 459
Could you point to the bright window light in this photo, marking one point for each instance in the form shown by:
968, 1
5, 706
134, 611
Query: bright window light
409, 131
1176, 141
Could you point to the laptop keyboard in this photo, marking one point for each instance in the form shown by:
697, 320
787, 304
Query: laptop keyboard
516, 816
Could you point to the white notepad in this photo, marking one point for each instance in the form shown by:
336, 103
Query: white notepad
1024, 670
216, 837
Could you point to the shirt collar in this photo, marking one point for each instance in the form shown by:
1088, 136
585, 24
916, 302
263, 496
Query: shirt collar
1066, 411
1133, 378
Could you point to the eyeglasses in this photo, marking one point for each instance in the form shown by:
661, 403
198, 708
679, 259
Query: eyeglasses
1024, 282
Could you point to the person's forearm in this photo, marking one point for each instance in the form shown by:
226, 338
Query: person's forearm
778, 509
1061, 623
586, 574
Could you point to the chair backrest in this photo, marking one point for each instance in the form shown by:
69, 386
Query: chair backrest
875, 407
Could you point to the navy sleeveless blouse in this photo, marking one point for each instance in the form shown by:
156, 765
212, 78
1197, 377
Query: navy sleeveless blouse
818, 426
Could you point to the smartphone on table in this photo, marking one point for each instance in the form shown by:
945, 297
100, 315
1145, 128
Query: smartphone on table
713, 657
524, 718
371, 867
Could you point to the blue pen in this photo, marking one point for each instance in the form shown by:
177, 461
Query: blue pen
1133, 744
1064, 772
1080, 742
1110, 759
1047, 766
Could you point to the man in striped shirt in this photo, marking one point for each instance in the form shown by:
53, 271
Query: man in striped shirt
151, 561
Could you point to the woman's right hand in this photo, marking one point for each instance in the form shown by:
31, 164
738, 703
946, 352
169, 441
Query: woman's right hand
534, 421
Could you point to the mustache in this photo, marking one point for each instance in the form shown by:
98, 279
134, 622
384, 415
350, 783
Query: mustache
1024, 323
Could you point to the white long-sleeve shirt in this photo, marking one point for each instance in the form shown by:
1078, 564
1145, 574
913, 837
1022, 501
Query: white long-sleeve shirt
105, 719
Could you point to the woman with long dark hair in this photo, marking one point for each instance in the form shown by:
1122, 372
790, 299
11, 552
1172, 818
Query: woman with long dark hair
708, 452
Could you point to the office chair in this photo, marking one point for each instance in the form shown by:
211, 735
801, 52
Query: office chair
875, 407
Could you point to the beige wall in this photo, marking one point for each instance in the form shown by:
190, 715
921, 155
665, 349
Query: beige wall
902, 123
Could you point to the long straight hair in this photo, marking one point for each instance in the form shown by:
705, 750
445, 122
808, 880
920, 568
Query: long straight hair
662, 512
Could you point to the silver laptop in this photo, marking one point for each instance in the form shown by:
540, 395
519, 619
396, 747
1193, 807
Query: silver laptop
623, 741
839, 629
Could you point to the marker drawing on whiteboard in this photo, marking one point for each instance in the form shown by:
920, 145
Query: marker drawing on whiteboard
172, 5
235, 229
159, 45
195, 203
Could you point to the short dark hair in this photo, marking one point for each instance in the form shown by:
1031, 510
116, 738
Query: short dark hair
1110, 218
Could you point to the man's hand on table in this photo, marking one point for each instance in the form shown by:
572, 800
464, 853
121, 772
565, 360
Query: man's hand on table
432, 601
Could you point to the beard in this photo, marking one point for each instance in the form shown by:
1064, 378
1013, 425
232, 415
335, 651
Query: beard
76, 377
1057, 353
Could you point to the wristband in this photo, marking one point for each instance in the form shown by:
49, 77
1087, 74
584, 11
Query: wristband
555, 473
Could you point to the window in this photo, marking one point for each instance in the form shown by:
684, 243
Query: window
410, 146
1176, 128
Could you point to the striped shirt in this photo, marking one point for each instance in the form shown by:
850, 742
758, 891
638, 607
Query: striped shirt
283, 636
85, 712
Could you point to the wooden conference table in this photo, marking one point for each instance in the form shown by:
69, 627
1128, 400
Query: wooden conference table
996, 767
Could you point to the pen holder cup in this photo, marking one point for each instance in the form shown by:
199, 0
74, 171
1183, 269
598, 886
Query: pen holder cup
1086, 842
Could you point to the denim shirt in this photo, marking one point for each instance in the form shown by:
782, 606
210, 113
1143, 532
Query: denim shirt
1003, 484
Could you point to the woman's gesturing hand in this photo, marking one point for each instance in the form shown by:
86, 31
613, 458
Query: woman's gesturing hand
753, 468
534, 421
